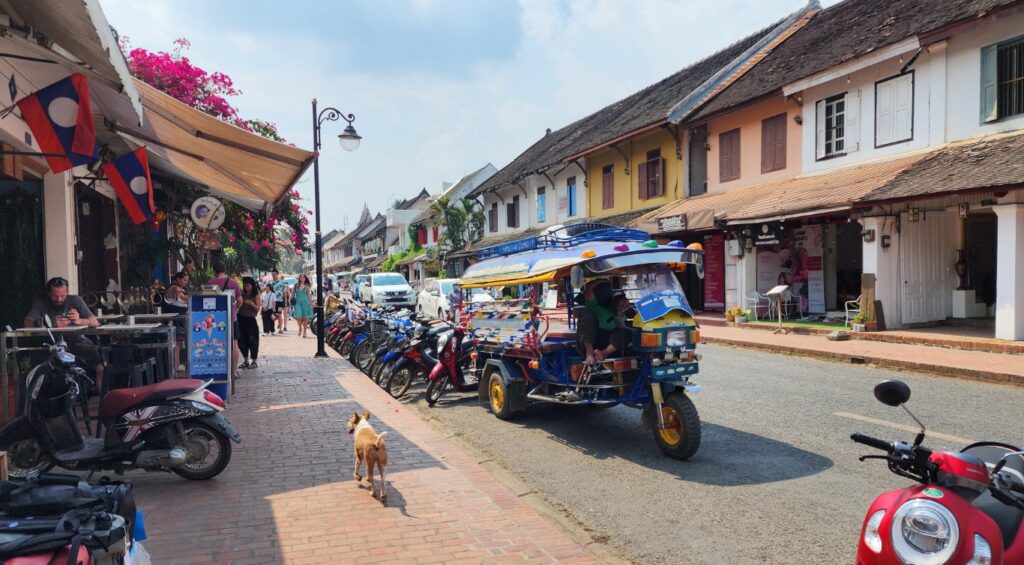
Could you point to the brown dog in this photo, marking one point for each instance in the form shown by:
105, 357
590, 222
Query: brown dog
369, 447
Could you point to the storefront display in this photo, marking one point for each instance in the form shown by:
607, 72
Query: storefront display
209, 340
714, 273
796, 261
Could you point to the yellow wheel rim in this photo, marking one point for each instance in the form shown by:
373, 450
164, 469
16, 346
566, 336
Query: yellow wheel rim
497, 396
671, 434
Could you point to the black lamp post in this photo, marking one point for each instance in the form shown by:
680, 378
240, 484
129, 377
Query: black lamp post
349, 140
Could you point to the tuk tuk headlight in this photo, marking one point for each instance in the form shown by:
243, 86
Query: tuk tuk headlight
924, 532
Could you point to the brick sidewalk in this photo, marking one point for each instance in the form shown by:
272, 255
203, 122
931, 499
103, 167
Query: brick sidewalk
977, 365
289, 496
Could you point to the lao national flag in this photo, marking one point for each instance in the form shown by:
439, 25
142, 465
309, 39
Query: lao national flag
130, 177
61, 119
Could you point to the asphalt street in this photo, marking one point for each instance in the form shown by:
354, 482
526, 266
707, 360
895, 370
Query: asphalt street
776, 479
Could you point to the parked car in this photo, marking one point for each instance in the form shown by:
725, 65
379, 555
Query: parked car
433, 299
388, 289
358, 284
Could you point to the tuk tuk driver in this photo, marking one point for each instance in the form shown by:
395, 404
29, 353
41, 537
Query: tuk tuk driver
597, 333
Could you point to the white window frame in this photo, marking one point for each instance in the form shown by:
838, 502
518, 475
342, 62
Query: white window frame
851, 125
886, 117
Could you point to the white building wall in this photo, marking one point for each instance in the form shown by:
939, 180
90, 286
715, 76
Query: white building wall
863, 81
963, 78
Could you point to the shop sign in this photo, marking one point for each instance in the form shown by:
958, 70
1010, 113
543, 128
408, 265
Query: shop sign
714, 272
672, 223
768, 234
209, 335
207, 213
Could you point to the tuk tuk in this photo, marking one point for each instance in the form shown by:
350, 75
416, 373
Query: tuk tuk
529, 343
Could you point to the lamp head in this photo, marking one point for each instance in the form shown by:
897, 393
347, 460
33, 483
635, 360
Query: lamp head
349, 139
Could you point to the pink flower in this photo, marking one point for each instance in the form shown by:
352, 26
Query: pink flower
232, 238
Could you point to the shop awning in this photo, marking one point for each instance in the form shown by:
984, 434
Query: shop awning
820, 194
244, 167
80, 28
696, 213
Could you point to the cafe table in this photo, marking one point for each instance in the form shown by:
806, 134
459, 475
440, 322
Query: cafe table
105, 334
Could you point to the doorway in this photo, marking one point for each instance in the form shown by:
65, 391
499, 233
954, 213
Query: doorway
980, 234
849, 262
22, 248
97, 265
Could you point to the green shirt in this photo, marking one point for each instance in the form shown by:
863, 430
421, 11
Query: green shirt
605, 316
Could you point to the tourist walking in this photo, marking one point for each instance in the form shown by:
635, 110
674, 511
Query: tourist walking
269, 303
302, 304
248, 330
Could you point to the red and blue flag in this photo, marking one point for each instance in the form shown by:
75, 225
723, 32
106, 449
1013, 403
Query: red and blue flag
129, 175
60, 117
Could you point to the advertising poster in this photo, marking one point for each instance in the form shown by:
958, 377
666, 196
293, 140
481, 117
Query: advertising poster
714, 272
797, 262
209, 340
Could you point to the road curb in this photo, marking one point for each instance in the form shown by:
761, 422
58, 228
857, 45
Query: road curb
941, 370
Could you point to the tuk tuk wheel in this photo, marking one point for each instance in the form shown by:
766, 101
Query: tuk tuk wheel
497, 394
680, 437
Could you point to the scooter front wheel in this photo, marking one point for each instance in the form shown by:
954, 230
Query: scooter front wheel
26, 457
436, 389
398, 382
207, 452
346, 348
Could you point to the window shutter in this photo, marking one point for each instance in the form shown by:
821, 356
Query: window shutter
660, 166
608, 189
729, 155
989, 84
492, 217
570, 189
541, 208
767, 145
819, 125
780, 142
436, 233
885, 108
903, 108
852, 121
642, 180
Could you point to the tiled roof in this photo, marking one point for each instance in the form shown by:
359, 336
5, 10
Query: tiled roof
843, 32
621, 219
807, 194
647, 107
989, 162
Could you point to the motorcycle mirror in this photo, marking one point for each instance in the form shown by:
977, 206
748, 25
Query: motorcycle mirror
892, 392
1006, 457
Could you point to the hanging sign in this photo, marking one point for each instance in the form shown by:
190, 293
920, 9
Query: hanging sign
672, 223
714, 272
207, 213
768, 234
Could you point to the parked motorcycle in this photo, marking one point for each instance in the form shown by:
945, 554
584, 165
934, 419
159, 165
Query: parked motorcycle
174, 425
416, 360
455, 368
967, 509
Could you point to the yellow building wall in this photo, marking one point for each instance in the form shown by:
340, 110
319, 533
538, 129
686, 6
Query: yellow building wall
748, 119
627, 189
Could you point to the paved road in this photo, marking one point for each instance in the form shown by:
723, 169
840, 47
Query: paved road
776, 478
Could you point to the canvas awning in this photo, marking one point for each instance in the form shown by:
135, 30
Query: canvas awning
182, 141
80, 29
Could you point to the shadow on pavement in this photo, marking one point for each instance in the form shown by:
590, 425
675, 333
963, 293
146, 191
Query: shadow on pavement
727, 456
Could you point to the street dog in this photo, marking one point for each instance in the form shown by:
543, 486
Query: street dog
370, 448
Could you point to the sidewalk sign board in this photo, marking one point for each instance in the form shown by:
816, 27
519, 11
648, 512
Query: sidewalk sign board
209, 331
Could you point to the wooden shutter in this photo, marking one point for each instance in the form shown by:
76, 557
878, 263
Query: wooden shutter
903, 108
642, 180
541, 205
851, 122
436, 233
989, 84
819, 131
657, 169
885, 108
773, 143
729, 155
608, 188
492, 217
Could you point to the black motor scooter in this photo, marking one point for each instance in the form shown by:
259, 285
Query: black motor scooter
174, 425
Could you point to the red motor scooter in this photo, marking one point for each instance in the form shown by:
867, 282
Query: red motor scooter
967, 509
450, 371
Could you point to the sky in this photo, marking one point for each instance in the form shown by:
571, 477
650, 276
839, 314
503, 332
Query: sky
439, 88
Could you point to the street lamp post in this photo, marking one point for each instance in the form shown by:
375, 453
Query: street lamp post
349, 140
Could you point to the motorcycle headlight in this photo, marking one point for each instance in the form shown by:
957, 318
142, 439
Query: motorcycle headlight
872, 538
924, 532
982, 552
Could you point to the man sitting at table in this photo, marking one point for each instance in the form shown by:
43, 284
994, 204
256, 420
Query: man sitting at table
67, 310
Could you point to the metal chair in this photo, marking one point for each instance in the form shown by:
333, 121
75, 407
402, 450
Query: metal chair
753, 301
852, 307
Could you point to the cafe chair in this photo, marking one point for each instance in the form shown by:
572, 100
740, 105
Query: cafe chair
852, 308
754, 300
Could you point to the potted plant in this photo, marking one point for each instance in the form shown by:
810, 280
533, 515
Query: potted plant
858, 323
742, 316
732, 313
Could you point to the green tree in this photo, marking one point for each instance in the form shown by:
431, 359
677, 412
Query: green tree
463, 223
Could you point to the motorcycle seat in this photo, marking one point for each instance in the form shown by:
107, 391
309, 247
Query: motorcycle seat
119, 400
1007, 517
